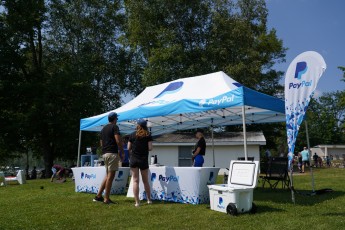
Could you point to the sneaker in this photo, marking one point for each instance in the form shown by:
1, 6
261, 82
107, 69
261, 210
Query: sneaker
109, 202
99, 199
149, 202
137, 205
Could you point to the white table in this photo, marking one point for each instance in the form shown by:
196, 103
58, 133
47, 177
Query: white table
178, 184
89, 179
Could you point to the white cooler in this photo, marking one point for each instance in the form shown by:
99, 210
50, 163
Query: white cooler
236, 196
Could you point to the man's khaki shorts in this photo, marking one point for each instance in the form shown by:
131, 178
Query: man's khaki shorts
111, 161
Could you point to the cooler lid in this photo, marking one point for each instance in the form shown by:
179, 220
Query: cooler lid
243, 174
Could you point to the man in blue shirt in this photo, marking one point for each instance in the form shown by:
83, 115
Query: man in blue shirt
305, 158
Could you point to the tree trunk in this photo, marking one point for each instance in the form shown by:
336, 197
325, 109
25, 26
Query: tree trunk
48, 157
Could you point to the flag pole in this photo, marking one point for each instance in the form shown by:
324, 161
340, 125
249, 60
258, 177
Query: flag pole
291, 186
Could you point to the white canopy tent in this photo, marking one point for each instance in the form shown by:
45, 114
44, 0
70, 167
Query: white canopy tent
208, 100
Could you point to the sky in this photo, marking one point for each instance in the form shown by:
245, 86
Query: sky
317, 25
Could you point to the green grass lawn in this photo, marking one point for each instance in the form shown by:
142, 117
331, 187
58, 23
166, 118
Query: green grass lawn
57, 206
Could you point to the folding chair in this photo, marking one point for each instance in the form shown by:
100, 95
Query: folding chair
277, 171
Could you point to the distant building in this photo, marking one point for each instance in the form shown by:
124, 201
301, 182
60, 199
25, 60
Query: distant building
337, 151
176, 149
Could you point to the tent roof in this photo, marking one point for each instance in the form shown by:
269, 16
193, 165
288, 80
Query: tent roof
188, 103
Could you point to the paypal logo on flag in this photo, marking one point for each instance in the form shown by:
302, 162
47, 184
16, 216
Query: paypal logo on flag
153, 177
220, 203
171, 88
301, 68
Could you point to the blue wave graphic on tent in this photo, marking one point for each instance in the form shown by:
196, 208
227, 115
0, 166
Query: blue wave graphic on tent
171, 88
301, 68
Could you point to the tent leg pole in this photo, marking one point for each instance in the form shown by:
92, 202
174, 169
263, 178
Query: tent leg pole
214, 165
311, 169
79, 148
244, 132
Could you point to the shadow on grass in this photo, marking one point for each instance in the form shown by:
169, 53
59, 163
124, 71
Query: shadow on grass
302, 197
342, 214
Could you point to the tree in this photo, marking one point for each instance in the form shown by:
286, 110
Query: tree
326, 120
21, 69
61, 61
186, 38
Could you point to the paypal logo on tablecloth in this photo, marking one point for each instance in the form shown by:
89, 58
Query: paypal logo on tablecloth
220, 203
168, 178
301, 68
153, 177
119, 175
171, 88
88, 176
210, 178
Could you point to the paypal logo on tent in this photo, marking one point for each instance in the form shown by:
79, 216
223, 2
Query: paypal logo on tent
220, 203
301, 68
153, 177
171, 88
217, 100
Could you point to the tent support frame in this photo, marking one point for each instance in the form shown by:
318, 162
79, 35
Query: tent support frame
244, 132
214, 163
79, 144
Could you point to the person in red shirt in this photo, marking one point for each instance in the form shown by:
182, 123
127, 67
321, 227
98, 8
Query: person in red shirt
58, 171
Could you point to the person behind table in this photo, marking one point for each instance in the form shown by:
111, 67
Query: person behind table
328, 161
319, 161
305, 158
200, 149
300, 162
125, 162
34, 173
139, 145
111, 144
315, 158
58, 171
